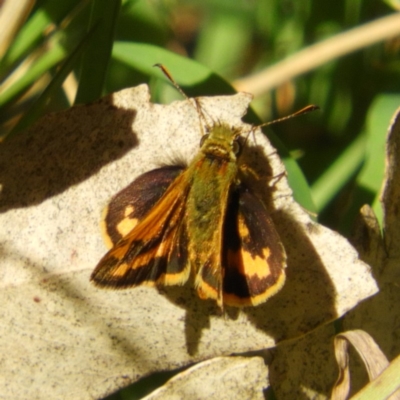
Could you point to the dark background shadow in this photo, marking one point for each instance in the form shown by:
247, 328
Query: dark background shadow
61, 150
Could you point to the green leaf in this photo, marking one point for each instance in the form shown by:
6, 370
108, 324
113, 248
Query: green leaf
338, 173
50, 13
36, 109
103, 19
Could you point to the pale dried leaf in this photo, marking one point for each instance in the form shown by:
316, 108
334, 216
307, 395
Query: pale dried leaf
379, 317
390, 202
367, 239
372, 356
220, 378
63, 336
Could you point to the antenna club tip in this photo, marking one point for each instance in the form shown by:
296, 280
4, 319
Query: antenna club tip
313, 107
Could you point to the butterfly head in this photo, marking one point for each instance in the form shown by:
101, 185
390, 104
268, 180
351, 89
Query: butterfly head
223, 140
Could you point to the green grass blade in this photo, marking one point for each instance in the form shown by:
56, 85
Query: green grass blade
43, 64
48, 14
386, 384
96, 59
338, 174
69, 64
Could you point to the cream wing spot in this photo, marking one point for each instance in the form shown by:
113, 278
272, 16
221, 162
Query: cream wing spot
126, 225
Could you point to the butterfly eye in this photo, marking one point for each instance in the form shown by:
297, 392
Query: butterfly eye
203, 139
236, 147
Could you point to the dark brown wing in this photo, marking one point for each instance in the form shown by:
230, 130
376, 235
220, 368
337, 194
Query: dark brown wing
131, 204
254, 258
154, 251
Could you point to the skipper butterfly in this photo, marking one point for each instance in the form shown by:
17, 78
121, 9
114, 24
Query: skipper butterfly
203, 221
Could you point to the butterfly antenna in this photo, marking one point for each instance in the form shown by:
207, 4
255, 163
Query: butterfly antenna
169, 76
179, 89
304, 110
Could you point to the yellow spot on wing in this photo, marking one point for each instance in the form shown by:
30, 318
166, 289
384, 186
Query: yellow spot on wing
121, 270
257, 265
126, 225
205, 291
107, 239
128, 210
232, 300
249, 265
243, 229
175, 279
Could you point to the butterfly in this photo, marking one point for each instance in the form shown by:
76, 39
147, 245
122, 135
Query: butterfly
201, 223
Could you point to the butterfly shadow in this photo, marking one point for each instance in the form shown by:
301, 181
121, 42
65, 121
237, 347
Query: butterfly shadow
198, 313
307, 298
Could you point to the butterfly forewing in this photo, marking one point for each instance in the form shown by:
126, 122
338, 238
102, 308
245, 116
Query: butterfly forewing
131, 204
144, 255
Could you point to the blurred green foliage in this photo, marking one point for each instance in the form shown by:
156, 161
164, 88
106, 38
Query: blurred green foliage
109, 45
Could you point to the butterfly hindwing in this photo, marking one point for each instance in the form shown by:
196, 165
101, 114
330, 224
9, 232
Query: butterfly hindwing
253, 256
153, 252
